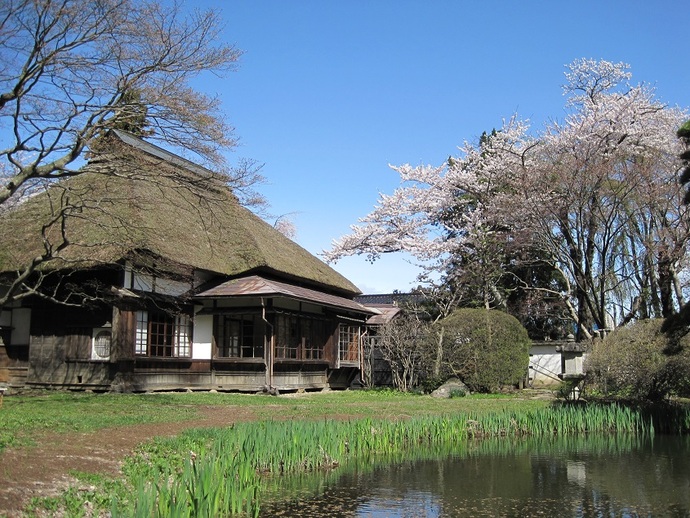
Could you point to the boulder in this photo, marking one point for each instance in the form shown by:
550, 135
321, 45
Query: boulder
451, 387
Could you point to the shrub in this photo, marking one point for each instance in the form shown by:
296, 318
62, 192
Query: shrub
428, 382
638, 362
486, 349
567, 389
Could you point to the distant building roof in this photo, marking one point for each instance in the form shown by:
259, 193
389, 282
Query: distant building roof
387, 304
389, 298
386, 313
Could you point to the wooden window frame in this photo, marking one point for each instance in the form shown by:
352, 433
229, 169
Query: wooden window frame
300, 337
349, 336
238, 336
159, 335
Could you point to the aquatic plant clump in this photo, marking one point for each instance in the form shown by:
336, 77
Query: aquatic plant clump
221, 472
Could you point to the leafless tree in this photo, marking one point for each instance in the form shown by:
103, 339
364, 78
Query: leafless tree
405, 344
67, 70
70, 70
414, 343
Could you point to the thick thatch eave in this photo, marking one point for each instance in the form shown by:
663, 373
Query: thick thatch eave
139, 197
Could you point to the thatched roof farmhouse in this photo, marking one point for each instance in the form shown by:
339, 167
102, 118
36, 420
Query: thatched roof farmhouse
160, 279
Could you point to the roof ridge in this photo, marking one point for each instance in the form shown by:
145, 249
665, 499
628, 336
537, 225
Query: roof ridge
159, 152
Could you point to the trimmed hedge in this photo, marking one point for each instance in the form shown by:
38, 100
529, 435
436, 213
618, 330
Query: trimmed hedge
486, 349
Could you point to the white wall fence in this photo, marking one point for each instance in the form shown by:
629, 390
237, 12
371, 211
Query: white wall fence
550, 362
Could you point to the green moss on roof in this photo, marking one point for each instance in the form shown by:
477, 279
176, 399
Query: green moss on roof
129, 200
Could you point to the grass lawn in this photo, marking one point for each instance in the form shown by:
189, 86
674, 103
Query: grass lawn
23, 418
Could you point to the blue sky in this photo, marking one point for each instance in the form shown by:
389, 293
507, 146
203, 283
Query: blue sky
328, 93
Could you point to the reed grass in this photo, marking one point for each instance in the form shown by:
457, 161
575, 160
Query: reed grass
26, 417
224, 472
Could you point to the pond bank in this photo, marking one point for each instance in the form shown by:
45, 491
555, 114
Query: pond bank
60, 465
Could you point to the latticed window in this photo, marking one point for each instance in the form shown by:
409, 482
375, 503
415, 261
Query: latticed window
314, 331
183, 342
288, 339
348, 344
300, 337
238, 336
142, 334
163, 335
101, 345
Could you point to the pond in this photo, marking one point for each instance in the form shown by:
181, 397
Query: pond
586, 476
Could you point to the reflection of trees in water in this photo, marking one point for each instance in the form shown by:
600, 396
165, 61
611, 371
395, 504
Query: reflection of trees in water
653, 479
609, 475
568, 476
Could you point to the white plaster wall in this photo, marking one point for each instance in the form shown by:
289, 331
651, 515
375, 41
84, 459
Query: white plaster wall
170, 287
145, 282
142, 282
545, 365
203, 333
128, 277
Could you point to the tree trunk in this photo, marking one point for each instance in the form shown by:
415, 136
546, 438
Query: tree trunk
439, 353
665, 284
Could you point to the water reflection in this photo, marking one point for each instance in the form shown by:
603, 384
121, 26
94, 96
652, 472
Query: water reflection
585, 476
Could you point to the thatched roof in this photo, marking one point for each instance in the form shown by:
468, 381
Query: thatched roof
133, 196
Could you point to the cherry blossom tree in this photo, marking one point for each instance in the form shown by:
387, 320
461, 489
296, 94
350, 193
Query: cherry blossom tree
683, 133
446, 214
607, 211
588, 199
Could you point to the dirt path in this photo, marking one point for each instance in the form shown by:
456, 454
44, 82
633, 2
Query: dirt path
44, 470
